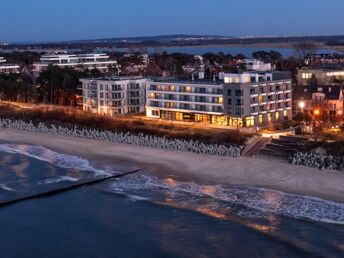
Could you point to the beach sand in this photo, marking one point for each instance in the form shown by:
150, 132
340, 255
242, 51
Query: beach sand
259, 172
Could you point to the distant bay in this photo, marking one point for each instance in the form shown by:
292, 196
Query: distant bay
233, 50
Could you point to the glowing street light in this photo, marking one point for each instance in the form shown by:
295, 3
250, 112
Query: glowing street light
316, 112
302, 105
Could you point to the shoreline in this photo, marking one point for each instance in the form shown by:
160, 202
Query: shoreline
257, 172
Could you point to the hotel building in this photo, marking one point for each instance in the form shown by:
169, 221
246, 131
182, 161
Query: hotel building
6, 68
307, 76
114, 95
101, 62
242, 99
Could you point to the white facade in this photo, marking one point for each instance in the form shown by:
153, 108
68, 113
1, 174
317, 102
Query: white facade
246, 77
6, 68
200, 101
256, 65
80, 61
248, 99
112, 96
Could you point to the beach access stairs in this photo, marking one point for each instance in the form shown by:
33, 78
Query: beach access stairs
284, 146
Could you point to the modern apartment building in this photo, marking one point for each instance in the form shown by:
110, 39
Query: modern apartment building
101, 62
256, 65
258, 99
308, 76
242, 99
6, 68
191, 101
114, 95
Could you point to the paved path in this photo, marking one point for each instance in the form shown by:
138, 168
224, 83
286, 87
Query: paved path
257, 147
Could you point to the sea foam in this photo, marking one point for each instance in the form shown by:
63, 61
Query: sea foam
241, 200
47, 155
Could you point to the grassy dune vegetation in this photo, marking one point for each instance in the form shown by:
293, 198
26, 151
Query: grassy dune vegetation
71, 118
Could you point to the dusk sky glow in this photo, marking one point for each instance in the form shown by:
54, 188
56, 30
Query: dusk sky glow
49, 20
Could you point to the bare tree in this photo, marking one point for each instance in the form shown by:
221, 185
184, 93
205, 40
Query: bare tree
303, 49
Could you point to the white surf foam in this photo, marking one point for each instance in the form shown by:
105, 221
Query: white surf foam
47, 155
6, 188
257, 200
58, 180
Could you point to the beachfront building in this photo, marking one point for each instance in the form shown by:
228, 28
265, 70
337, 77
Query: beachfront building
240, 100
6, 68
327, 99
308, 76
190, 101
258, 98
114, 95
101, 62
255, 65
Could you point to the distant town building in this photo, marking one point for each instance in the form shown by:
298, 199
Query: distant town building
308, 76
256, 65
114, 95
328, 99
6, 68
325, 60
241, 99
101, 62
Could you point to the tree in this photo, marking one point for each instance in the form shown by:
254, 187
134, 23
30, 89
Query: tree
303, 49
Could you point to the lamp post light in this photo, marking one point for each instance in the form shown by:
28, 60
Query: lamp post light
316, 113
302, 106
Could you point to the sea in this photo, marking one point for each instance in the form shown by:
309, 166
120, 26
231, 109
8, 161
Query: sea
144, 215
201, 50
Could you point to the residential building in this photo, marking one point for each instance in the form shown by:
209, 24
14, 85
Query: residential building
6, 68
258, 98
308, 76
328, 99
241, 99
114, 95
191, 101
255, 65
101, 62
333, 60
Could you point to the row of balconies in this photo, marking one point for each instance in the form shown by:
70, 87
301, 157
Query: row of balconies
187, 89
184, 98
202, 108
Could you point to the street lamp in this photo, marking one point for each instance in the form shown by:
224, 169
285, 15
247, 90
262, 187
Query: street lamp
316, 113
302, 105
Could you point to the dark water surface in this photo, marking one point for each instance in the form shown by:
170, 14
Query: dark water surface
144, 216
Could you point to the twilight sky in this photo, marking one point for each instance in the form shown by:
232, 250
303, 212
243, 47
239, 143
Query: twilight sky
41, 20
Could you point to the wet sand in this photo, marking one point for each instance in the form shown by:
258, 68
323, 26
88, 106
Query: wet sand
259, 172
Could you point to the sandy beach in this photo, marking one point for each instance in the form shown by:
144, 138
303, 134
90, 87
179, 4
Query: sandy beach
261, 172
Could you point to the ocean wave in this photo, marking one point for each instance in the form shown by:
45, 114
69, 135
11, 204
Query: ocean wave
241, 200
47, 155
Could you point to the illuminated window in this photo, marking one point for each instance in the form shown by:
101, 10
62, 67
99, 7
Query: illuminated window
260, 119
269, 118
285, 113
249, 121
179, 116
277, 115
260, 99
220, 100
